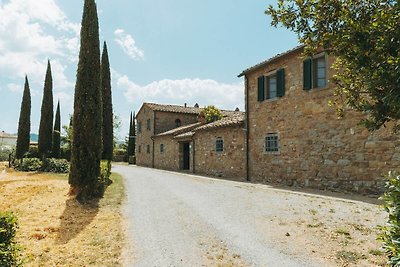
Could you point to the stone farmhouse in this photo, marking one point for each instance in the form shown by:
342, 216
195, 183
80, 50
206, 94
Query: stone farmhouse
289, 135
175, 138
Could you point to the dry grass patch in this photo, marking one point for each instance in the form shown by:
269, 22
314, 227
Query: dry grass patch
55, 230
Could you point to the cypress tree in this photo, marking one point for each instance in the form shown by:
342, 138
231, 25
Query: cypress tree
108, 142
46, 117
57, 134
129, 148
87, 123
24, 124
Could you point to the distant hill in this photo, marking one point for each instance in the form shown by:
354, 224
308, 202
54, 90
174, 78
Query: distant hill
34, 137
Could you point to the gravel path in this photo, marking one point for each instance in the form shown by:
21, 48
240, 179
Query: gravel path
184, 220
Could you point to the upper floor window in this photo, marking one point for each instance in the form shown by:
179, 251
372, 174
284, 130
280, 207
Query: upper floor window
139, 127
178, 123
162, 148
148, 149
148, 124
219, 145
272, 85
139, 149
272, 143
314, 72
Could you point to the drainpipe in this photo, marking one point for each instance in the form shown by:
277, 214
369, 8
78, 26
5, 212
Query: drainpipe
246, 80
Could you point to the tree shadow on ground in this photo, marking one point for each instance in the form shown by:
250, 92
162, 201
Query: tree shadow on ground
75, 218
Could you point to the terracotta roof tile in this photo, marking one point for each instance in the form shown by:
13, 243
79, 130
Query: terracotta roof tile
173, 108
181, 129
184, 135
234, 119
265, 62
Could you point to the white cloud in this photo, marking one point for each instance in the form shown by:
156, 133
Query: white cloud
25, 42
128, 45
15, 88
190, 91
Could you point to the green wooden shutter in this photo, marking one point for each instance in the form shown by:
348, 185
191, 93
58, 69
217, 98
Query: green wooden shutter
307, 74
261, 88
280, 82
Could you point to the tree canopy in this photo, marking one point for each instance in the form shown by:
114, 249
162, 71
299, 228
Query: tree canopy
364, 36
56, 150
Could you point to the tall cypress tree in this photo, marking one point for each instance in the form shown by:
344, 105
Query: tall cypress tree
57, 134
46, 118
24, 124
129, 148
88, 111
108, 142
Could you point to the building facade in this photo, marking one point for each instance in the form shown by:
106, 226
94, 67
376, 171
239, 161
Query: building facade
295, 138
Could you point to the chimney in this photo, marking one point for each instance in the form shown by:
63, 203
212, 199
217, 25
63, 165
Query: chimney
185, 105
196, 105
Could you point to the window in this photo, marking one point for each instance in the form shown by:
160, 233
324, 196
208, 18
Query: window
219, 145
272, 143
139, 149
271, 86
148, 149
162, 148
148, 124
139, 127
314, 72
178, 123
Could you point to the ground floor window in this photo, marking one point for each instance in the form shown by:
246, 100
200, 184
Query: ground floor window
140, 149
162, 148
272, 143
219, 145
148, 149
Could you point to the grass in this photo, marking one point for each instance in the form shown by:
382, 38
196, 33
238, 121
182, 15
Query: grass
349, 256
56, 230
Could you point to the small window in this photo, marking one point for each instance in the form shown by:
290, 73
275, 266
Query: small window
319, 71
178, 123
139, 127
139, 149
148, 149
219, 145
148, 124
272, 143
314, 72
272, 91
162, 148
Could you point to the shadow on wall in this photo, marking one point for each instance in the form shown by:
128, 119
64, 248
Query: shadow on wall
75, 218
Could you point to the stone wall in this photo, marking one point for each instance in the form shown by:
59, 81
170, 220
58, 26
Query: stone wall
316, 148
229, 164
169, 159
165, 121
143, 138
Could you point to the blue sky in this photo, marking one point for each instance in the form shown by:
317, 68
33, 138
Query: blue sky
164, 51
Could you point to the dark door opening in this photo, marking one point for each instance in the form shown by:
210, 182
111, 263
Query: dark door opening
186, 156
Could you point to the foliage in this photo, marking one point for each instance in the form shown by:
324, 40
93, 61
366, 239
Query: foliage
108, 136
86, 147
132, 136
56, 152
46, 116
363, 35
390, 233
5, 152
9, 250
33, 152
24, 124
211, 113
47, 165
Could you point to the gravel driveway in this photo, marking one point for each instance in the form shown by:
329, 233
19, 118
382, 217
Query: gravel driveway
178, 219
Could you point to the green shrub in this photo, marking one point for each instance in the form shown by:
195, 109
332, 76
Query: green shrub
65, 153
9, 250
55, 165
5, 152
33, 152
104, 179
390, 233
47, 165
28, 165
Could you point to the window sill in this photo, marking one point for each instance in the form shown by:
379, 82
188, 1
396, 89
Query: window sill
272, 153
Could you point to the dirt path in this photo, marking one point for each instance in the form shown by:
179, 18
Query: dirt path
183, 220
